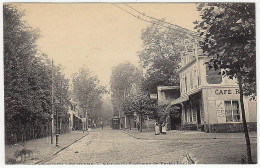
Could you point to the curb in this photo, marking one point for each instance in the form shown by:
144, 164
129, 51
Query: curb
135, 136
65, 147
183, 138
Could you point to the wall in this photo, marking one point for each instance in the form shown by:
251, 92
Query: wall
214, 101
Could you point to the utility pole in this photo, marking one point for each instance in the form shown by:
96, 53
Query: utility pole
57, 118
87, 119
52, 123
60, 103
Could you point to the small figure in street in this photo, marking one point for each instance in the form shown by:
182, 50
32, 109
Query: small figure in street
101, 124
138, 126
163, 128
156, 128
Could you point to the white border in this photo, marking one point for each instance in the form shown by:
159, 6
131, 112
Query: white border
2, 153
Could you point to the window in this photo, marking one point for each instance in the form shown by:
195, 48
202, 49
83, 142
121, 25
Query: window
194, 114
186, 87
213, 76
199, 81
194, 78
191, 80
232, 111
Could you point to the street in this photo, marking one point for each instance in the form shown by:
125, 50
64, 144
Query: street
119, 147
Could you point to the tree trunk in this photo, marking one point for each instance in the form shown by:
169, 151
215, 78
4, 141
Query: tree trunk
129, 122
141, 123
249, 157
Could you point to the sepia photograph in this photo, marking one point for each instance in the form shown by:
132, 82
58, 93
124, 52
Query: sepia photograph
129, 83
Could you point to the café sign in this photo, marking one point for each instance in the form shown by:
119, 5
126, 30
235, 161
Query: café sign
226, 91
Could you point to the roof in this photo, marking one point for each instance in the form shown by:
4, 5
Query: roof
160, 88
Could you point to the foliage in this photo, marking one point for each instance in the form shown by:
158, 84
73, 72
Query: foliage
123, 80
88, 92
228, 36
106, 109
143, 105
27, 75
160, 56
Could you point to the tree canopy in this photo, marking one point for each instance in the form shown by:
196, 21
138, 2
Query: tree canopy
123, 77
228, 37
27, 76
88, 92
160, 56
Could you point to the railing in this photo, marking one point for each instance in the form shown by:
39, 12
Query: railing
24, 133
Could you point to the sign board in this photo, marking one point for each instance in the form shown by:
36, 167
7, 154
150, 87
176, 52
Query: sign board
226, 91
153, 96
83, 119
221, 111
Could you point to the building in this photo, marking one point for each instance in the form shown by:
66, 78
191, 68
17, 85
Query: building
167, 94
208, 100
75, 122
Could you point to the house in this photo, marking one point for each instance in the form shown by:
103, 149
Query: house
208, 100
167, 94
74, 120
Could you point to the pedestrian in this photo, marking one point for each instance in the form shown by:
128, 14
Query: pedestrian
138, 126
101, 124
163, 128
156, 128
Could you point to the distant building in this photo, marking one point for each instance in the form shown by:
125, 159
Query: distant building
167, 94
208, 100
74, 120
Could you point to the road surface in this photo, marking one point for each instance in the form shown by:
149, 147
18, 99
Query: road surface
116, 147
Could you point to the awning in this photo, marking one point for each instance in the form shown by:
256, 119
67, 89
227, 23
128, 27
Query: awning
179, 100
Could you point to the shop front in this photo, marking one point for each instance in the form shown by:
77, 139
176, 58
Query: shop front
216, 109
223, 110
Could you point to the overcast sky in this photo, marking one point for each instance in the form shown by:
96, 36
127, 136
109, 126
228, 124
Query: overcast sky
98, 35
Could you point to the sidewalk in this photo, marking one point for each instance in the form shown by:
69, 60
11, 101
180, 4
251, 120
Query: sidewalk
42, 148
178, 135
204, 148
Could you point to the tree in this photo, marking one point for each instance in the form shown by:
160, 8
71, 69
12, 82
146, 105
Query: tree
106, 110
27, 78
121, 81
88, 92
228, 37
143, 105
160, 56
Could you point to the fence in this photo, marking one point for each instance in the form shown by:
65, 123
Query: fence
24, 133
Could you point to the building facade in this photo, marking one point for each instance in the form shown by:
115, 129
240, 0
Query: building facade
210, 101
167, 94
75, 122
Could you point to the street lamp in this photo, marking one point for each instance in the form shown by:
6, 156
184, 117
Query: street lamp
57, 118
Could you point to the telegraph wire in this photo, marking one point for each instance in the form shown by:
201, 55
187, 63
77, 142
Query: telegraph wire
184, 29
138, 17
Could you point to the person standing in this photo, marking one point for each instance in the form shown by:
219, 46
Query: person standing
156, 128
138, 126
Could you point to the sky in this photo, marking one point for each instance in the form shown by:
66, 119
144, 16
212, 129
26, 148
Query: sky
98, 35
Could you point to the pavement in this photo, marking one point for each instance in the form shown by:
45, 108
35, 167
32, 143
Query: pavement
176, 147
205, 148
109, 146
42, 148
177, 135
